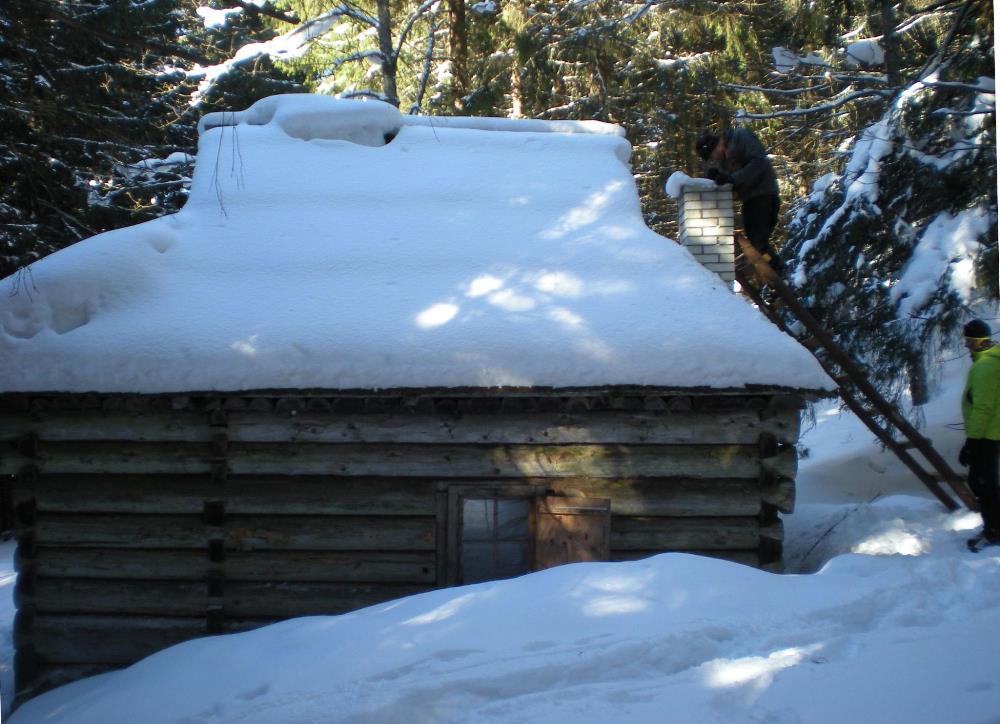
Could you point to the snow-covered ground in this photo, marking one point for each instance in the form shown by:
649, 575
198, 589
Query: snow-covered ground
898, 623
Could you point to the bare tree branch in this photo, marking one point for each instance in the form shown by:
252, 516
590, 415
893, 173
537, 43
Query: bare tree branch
410, 21
425, 73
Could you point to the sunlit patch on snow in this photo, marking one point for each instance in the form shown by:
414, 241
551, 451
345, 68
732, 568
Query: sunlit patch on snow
963, 521
247, 347
442, 612
892, 543
560, 284
436, 315
585, 214
614, 606
621, 583
611, 287
756, 672
510, 301
894, 540
483, 285
615, 595
565, 316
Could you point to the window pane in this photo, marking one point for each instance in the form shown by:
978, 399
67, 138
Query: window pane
492, 561
478, 516
512, 519
495, 538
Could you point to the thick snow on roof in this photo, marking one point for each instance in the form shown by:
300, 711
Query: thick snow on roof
338, 244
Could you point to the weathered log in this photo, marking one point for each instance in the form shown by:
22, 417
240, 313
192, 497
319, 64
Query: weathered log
783, 465
779, 492
240, 532
330, 533
287, 495
241, 599
515, 461
276, 495
90, 639
735, 427
63, 426
48, 676
101, 457
79, 562
672, 497
684, 534
289, 599
147, 531
691, 427
121, 596
352, 566
734, 461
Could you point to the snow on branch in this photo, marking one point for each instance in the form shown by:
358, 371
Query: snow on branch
775, 91
371, 54
821, 108
289, 45
974, 87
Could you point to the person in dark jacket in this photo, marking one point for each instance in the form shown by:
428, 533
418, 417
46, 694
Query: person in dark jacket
738, 157
981, 414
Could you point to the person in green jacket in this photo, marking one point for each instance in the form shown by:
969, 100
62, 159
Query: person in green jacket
981, 413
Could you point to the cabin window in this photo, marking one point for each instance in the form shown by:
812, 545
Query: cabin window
496, 538
496, 533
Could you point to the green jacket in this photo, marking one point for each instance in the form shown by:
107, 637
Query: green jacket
981, 399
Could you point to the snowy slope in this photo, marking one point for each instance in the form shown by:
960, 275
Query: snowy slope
465, 252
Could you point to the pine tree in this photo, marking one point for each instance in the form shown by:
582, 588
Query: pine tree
894, 251
99, 110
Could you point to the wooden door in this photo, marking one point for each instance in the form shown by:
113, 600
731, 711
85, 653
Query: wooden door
570, 530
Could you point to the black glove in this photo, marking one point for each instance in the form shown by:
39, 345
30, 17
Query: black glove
722, 178
964, 454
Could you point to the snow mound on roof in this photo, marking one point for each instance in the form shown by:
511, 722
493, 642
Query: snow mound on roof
679, 181
337, 244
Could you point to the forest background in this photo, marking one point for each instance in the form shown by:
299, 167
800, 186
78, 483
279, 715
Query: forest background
880, 118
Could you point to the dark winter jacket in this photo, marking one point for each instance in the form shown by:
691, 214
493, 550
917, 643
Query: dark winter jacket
981, 399
746, 163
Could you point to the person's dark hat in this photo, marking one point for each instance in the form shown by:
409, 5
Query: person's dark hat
977, 329
705, 144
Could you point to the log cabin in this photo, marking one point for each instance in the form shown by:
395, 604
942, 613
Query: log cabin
374, 355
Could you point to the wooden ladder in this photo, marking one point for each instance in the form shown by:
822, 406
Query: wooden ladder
897, 434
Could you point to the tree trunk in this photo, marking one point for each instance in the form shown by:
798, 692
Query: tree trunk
388, 55
459, 45
516, 107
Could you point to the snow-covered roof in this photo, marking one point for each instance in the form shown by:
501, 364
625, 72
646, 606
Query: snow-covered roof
339, 244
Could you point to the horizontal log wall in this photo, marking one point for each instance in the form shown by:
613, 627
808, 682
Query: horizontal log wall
145, 521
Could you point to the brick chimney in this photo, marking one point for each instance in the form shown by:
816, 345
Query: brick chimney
706, 227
